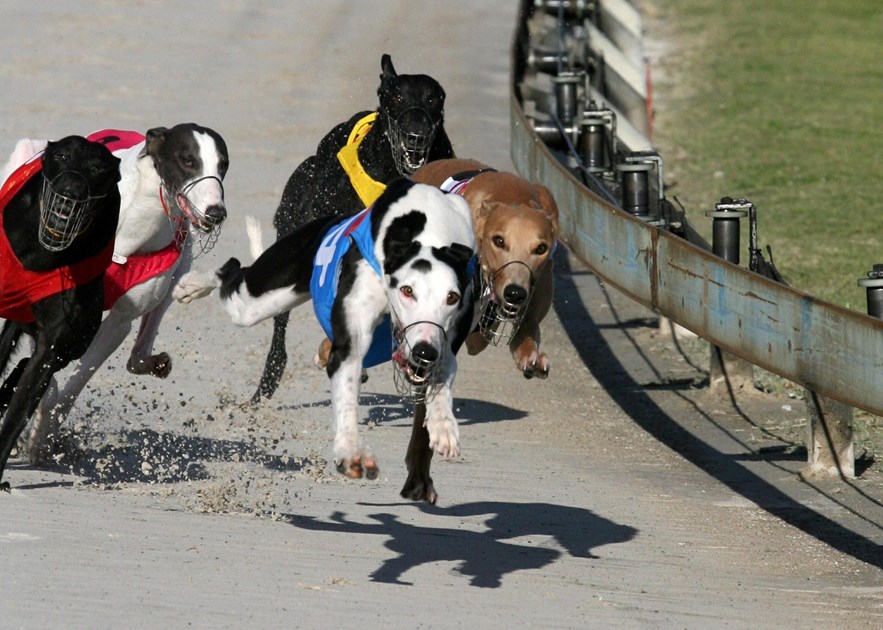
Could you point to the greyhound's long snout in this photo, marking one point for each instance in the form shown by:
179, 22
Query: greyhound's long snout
71, 185
515, 294
215, 214
423, 355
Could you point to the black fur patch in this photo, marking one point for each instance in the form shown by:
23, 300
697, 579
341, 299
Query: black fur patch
464, 322
395, 190
342, 344
230, 275
289, 261
421, 264
399, 243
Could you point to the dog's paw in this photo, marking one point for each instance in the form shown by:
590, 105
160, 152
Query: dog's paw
539, 368
323, 354
444, 436
530, 361
419, 488
158, 365
359, 465
195, 285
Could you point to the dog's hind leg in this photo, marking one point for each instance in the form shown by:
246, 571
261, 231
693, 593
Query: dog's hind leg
277, 359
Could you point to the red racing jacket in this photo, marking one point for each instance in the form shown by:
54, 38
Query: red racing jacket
20, 288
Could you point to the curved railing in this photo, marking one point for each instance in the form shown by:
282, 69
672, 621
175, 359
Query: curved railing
829, 349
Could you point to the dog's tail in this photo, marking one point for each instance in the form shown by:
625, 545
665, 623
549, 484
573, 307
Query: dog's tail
255, 236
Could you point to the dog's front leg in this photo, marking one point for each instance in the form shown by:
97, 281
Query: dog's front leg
141, 359
354, 317
195, 285
32, 385
351, 457
525, 344
444, 432
418, 485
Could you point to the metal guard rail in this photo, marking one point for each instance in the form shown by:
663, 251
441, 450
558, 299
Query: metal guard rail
829, 349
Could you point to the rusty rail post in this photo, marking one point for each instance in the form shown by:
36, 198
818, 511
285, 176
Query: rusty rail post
727, 372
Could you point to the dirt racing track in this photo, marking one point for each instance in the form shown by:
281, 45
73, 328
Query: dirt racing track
614, 494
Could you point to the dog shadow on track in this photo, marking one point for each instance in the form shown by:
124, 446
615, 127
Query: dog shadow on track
389, 408
485, 557
170, 458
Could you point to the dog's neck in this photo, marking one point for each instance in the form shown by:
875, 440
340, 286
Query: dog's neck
375, 153
144, 225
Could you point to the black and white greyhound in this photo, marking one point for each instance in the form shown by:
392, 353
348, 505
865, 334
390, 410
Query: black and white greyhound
411, 256
59, 213
352, 165
172, 200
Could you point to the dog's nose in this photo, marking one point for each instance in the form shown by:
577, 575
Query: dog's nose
215, 214
71, 185
515, 294
424, 352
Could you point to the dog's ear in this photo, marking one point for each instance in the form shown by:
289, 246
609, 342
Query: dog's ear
481, 210
155, 137
547, 205
386, 67
457, 252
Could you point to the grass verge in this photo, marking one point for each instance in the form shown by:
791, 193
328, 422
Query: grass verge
779, 102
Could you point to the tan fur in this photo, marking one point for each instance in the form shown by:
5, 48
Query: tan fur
524, 215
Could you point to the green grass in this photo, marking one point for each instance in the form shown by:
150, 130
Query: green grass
782, 103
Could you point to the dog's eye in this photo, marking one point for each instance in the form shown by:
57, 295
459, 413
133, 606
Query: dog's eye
186, 162
407, 291
453, 298
498, 242
541, 249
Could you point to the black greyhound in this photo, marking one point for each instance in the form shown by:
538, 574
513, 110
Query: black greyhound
56, 242
353, 163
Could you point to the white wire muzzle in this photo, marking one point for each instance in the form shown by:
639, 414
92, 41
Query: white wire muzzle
498, 319
416, 373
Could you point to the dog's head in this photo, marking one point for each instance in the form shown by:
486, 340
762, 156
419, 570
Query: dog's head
192, 161
515, 241
412, 107
77, 174
426, 250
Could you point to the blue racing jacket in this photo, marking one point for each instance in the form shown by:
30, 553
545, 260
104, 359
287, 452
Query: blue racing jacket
326, 275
